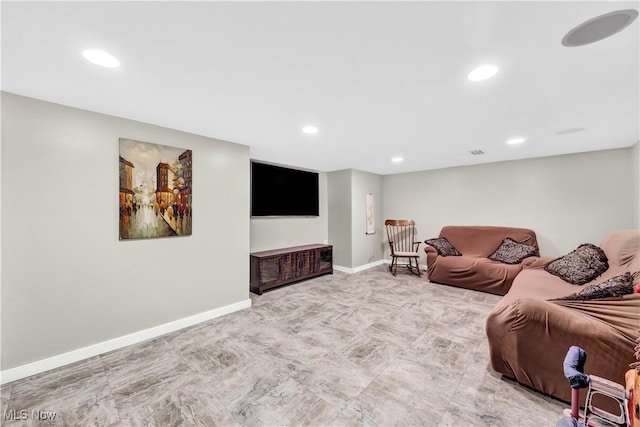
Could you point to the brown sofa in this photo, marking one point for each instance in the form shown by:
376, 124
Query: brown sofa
473, 269
529, 336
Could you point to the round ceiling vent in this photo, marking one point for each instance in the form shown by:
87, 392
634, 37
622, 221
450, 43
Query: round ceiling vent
599, 27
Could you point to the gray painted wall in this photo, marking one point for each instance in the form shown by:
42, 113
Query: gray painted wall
339, 206
635, 155
67, 281
273, 233
366, 248
567, 200
347, 217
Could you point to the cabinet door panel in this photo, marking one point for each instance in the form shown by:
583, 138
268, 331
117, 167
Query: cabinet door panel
326, 260
269, 270
305, 263
289, 266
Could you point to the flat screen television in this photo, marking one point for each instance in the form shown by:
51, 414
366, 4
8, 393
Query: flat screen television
281, 191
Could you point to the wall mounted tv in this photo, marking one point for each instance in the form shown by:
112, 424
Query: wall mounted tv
281, 191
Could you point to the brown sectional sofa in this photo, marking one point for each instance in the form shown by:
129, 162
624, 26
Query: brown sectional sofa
529, 336
473, 269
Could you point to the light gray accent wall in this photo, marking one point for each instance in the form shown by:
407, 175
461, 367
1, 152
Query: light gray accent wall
282, 232
366, 248
67, 281
348, 189
635, 155
567, 200
339, 205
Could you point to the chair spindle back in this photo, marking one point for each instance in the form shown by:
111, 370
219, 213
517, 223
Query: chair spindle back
401, 234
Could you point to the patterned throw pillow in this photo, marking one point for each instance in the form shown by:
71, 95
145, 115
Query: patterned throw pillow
614, 287
443, 246
512, 252
581, 265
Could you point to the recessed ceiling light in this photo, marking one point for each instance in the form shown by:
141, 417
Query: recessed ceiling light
514, 141
483, 72
397, 159
599, 28
569, 130
101, 58
310, 129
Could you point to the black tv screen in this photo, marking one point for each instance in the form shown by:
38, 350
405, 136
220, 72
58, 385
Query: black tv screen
280, 191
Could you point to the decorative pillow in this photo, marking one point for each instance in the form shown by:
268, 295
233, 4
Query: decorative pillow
512, 252
443, 246
579, 266
614, 287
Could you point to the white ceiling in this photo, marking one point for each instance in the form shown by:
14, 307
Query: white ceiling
379, 79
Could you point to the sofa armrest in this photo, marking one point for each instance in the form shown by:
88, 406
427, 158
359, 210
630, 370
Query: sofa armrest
432, 254
537, 262
527, 262
430, 249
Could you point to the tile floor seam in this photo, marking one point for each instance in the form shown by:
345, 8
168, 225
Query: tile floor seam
108, 380
201, 378
207, 383
208, 387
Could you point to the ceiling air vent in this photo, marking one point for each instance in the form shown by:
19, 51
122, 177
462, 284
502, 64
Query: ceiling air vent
476, 152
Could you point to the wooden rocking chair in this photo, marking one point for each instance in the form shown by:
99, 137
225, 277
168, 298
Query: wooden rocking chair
401, 234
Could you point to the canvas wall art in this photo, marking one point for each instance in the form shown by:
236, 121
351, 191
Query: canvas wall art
155, 190
371, 228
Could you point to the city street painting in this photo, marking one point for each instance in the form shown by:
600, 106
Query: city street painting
155, 190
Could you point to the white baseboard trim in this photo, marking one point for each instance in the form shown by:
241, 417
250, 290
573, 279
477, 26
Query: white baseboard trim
359, 268
423, 267
348, 270
73, 356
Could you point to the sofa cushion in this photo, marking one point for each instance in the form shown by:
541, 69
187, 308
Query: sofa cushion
614, 287
480, 274
512, 252
443, 246
581, 265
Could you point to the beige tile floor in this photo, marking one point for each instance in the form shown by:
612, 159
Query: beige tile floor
367, 349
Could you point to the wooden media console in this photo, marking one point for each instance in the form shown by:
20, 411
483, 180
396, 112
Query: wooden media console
278, 267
